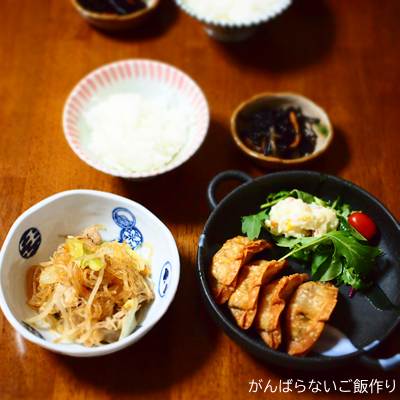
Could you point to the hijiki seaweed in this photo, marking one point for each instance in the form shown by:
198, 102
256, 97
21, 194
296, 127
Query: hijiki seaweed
279, 132
121, 7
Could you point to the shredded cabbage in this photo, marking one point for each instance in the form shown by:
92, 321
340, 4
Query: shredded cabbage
90, 291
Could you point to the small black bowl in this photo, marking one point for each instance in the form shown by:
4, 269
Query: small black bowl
358, 318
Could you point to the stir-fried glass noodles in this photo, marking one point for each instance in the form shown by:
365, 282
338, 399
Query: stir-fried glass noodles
90, 291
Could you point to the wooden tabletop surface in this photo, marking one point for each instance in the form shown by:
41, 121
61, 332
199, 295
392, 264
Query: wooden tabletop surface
342, 54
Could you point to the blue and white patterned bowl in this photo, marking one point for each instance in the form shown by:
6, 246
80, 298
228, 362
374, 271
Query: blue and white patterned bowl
38, 231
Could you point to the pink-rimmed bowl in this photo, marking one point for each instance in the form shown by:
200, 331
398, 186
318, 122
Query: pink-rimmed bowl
135, 76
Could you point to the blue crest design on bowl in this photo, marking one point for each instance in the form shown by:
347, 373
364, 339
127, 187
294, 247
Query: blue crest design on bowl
32, 330
127, 222
165, 277
123, 217
30, 242
132, 236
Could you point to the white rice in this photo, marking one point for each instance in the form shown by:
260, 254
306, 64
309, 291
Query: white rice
137, 133
231, 10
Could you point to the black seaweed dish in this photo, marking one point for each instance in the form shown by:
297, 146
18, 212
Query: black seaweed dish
278, 132
120, 7
352, 316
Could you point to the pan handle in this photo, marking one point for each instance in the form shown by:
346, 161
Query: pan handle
221, 177
386, 364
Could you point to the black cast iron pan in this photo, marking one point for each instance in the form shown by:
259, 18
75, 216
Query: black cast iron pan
363, 323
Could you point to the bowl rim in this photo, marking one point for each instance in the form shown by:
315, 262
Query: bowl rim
114, 17
276, 160
136, 175
63, 347
279, 9
238, 334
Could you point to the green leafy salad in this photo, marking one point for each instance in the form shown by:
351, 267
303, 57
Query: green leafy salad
319, 233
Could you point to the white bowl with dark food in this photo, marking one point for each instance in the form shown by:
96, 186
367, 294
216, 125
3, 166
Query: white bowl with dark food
233, 20
281, 130
136, 119
87, 273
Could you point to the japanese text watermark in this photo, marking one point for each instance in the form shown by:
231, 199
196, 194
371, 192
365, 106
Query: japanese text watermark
361, 386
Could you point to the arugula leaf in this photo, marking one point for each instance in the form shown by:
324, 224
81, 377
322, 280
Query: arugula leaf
274, 198
302, 252
283, 241
336, 255
252, 224
334, 268
308, 198
343, 255
346, 227
350, 277
358, 256
304, 244
343, 210
322, 256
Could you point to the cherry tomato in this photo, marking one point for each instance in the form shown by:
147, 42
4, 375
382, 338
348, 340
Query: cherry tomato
363, 224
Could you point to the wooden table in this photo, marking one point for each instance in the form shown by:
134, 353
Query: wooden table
343, 54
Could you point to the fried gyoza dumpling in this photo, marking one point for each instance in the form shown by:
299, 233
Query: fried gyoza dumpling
227, 262
243, 301
310, 307
272, 302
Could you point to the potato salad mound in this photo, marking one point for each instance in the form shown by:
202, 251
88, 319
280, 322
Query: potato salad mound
294, 218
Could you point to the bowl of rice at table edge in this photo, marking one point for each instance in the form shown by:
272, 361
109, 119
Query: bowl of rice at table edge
233, 20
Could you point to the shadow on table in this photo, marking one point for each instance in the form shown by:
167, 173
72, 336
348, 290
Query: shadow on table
178, 345
337, 157
302, 35
156, 25
180, 195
